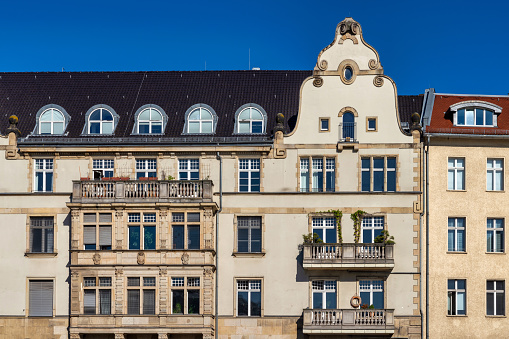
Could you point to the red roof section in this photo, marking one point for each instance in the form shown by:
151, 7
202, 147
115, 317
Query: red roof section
442, 118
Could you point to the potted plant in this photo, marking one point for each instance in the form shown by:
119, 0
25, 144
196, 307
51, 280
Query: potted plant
385, 238
311, 238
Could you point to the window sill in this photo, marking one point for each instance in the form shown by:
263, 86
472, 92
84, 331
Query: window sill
495, 191
248, 254
499, 253
496, 316
449, 190
456, 252
458, 316
42, 255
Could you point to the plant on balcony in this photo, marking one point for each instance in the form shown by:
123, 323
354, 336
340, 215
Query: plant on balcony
385, 238
357, 220
311, 238
170, 177
338, 215
366, 306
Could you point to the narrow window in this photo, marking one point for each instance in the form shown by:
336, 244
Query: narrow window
177, 295
495, 297
317, 182
304, 175
43, 175
348, 128
324, 124
372, 124
249, 298
495, 235
456, 297
193, 295
348, 73
456, 174
366, 174
372, 293
133, 295
142, 231
149, 295
456, 235
249, 234
378, 174
495, 175
330, 174
324, 294
189, 169
249, 175
41, 234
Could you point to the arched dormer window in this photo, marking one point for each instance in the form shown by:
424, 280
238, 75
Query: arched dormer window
250, 119
150, 119
100, 119
475, 113
200, 119
51, 120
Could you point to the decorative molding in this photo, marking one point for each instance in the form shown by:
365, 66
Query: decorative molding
348, 109
185, 259
373, 64
141, 258
119, 336
207, 271
346, 37
353, 66
322, 65
163, 213
163, 271
96, 258
378, 81
119, 271
75, 213
162, 336
475, 103
119, 244
74, 336
74, 274
317, 81
119, 214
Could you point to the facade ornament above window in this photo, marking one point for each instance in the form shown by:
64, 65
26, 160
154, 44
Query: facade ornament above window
97, 259
141, 258
185, 259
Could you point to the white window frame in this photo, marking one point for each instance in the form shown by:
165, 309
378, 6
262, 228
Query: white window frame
323, 287
371, 223
371, 170
46, 246
494, 292
319, 166
101, 121
188, 284
52, 122
251, 225
253, 285
151, 122
188, 166
493, 171
253, 165
372, 287
176, 221
453, 171
200, 121
250, 120
47, 167
455, 229
103, 167
455, 291
496, 230
324, 223
146, 166
143, 222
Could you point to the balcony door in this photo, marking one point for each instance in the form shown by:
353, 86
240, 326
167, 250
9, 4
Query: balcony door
324, 294
372, 293
325, 228
348, 126
371, 228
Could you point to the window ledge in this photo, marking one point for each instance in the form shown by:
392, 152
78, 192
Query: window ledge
495, 191
457, 316
449, 190
499, 253
457, 252
42, 255
496, 316
248, 254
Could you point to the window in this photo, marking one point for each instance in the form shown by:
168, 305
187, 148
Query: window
43, 175
97, 231
40, 298
456, 297
249, 175
318, 172
372, 227
495, 235
371, 124
103, 168
249, 234
372, 293
41, 235
146, 168
249, 298
348, 73
324, 125
495, 297
325, 228
456, 174
456, 235
51, 121
185, 295
200, 120
142, 235
100, 121
378, 174
185, 225
495, 175
250, 121
475, 117
324, 294
189, 169
141, 299
150, 121
97, 297
347, 129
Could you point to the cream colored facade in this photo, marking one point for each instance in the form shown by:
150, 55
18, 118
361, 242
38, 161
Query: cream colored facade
281, 279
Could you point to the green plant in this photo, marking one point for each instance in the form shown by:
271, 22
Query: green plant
177, 308
170, 177
366, 306
385, 238
338, 215
311, 238
357, 220
371, 307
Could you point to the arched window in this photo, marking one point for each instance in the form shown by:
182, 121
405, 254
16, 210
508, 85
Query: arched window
475, 113
150, 121
348, 126
250, 119
51, 120
200, 121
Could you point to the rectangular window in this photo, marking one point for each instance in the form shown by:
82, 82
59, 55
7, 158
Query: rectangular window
495, 297
324, 124
249, 298
372, 124
378, 174
324, 294
325, 228
96, 298
146, 168
141, 297
185, 230
142, 231
43, 175
41, 234
475, 117
103, 168
495, 235
189, 169
372, 293
456, 235
304, 175
495, 175
456, 297
317, 175
456, 174
372, 227
185, 295
249, 175
40, 298
97, 230
249, 234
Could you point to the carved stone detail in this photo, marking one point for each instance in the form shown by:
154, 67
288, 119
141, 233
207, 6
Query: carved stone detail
163, 271
75, 214
163, 213
185, 259
207, 271
119, 214
141, 258
318, 81
346, 37
373, 64
207, 213
378, 81
119, 244
119, 336
97, 259
322, 65
349, 26
119, 272
162, 336
74, 336
74, 274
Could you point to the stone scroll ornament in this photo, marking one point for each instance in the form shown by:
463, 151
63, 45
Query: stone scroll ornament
378, 81
318, 82
141, 258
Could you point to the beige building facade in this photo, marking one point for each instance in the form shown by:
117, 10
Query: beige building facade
287, 204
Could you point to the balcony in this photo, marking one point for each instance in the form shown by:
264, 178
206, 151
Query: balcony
348, 256
347, 132
349, 321
138, 191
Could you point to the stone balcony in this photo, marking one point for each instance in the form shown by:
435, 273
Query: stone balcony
348, 256
141, 191
349, 321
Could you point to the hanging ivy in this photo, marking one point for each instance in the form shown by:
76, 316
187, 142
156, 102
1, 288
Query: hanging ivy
357, 219
338, 215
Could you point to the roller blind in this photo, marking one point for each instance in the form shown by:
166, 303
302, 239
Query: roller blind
89, 302
89, 234
149, 301
104, 235
40, 298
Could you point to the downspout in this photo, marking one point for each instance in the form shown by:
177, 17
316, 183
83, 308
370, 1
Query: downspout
420, 239
216, 308
427, 237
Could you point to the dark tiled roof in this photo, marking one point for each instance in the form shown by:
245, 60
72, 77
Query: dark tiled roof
23, 94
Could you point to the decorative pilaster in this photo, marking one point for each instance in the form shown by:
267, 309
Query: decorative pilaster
119, 228
208, 290
119, 291
75, 292
208, 229
75, 229
163, 290
163, 228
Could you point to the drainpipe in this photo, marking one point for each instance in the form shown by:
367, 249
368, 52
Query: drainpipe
427, 238
216, 308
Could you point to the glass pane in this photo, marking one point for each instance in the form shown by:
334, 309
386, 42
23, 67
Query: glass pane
134, 237
57, 116
330, 182
500, 304
460, 303
461, 240
46, 116
89, 302
348, 73
45, 128
378, 162
178, 301
256, 304
133, 301
206, 127
193, 237
490, 303
178, 237
367, 236
48, 241
205, 115
489, 118
378, 300
256, 114
460, 284
95, 115
460, 180
157, 128
39, 181
58, 128
149, 238
450, 284
36, 240
107, 127
391, 162
243, 127
391, 181
143, 127
149, 302
489, 181
242, 303
95, 128
49, 182
479, 117
256, 127
193, 302
107, 116
450, 240
460, 117
243, 240
105, 301
330, 302
378, 181
245, 114
365, 181
469, 117
194, 127
365, 297
195, 115
498, 181
330, 235
256, 240
155, 115
145, 114
499, 242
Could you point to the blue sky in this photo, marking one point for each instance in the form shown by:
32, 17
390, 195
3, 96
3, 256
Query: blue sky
455, 47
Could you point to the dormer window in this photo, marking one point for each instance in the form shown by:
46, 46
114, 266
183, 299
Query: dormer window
150, 119
51, 120
200, 119
475, 113
100, 119
250, 119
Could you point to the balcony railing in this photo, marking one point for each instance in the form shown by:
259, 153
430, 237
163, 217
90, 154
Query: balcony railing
337, 256
347, 132
142, 190
349, 321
